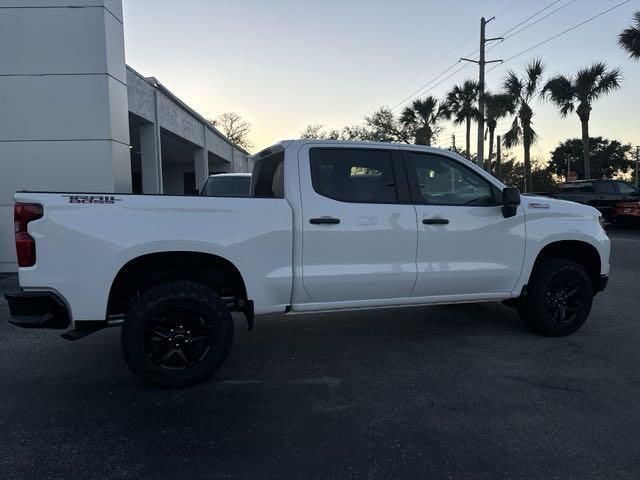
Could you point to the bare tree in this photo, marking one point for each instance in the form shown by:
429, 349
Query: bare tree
316, 131
313, 131
234, 127
383, 126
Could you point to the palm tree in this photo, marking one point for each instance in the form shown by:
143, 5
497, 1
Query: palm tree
522, 90
629, 38
461, 105
578, 93
497, 106
422, 119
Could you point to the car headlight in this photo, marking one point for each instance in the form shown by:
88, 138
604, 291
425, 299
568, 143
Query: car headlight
601, 220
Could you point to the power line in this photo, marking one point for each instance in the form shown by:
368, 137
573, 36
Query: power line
440, 82
529, 25
421, 89
577, 25
530, 17
540, 19
513, 4
439, 59
425, 85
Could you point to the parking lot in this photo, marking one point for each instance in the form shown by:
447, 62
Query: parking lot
448, 392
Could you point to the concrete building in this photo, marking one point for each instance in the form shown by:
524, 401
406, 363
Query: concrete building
173, 148
75, 117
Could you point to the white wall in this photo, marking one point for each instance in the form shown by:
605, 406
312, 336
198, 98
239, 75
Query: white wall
63, 97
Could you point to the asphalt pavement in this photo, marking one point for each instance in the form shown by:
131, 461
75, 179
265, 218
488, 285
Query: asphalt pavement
461, 392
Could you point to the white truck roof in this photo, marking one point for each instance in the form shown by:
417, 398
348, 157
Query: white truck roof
230, 175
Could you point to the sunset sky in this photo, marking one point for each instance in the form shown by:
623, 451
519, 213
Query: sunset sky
283, 64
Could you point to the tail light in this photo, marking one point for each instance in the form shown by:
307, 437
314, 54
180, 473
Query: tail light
25, 244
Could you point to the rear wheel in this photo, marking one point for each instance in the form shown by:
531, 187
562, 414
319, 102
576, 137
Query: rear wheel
559, 298
177, 334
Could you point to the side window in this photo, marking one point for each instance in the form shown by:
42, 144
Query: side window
626, 188
443, 181
604, 187
353, 175
586, 187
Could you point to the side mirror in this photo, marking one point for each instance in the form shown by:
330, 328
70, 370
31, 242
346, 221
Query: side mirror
510, 201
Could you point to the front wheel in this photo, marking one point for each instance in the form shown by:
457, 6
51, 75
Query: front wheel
177, 334
559, 298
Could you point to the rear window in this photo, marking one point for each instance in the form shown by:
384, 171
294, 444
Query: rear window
227, 186
268, 176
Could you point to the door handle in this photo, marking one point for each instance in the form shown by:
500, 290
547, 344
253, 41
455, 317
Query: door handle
324, 220
435, 221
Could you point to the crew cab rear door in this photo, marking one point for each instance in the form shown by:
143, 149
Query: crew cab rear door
466, 248
359, 226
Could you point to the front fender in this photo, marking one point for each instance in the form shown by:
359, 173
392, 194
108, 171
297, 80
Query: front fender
544, 230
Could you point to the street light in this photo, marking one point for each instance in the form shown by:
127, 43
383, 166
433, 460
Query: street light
637, 161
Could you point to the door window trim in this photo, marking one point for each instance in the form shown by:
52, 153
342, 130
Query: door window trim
414, 186
400, 177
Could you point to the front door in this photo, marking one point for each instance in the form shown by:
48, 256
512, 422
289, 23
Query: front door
466, 247
359, 226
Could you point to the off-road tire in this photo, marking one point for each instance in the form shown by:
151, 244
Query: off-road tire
173, 300
552, 280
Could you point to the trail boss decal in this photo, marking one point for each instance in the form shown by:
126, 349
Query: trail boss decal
99, 199
538, 205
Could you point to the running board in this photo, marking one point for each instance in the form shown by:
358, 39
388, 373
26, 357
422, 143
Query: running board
84, 329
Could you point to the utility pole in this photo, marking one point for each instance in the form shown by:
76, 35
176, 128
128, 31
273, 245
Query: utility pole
453, 141
481, 64
498, 158
637, 161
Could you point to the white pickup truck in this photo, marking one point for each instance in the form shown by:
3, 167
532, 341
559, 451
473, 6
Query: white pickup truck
329, 226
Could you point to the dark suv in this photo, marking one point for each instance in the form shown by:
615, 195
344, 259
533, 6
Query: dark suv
601, 194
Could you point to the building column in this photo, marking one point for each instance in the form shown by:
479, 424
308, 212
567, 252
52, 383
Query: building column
151, 155
201, 161
201, 167
64, 102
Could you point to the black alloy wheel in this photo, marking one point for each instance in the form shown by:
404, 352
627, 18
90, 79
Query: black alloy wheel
177, 334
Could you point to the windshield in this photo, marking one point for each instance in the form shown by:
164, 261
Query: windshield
227, 186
